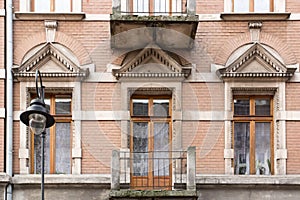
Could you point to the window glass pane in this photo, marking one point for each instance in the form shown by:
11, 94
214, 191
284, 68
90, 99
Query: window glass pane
140, 148
161, 149
262, 149
262, 107
161, 6
261, 5
161, 107
63, 148
140, 6
38, 153
241, 148
62, 6
140, 107
241, 6
62, 106
42, 6
241, 107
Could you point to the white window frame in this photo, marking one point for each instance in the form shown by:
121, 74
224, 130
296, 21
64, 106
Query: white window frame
25, 6
279, 6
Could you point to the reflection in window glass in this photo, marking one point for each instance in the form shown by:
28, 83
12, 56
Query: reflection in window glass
241, 6
261, 5
262, 150
38, 153
161, 107
140, 148
241, 147
62, 6
161, 149
63, 148
241, 107
62, 106
140, 107
140, 6
42, 5
262, 107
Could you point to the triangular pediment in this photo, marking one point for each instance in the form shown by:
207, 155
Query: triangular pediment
256, 62
154, 62
52, 63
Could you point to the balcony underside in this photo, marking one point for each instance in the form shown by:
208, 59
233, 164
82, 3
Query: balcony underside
134, 32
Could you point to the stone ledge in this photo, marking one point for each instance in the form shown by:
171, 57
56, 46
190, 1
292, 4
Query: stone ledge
151, 193
4, 178
247, 180
254, 16
49, 16
62, 179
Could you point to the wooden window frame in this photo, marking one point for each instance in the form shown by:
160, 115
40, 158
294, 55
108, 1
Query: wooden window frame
59, 118
251, 6
52, 5
252, 119
151, 119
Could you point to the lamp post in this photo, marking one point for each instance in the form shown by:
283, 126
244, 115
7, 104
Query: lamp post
37, 117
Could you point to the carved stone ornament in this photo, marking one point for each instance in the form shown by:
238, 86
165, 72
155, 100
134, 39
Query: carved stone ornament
256, 63
152, 62
53, 65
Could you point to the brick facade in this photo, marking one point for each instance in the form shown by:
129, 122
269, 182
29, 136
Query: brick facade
201, 110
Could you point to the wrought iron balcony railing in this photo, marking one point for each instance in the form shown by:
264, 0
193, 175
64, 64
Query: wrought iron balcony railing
163, 170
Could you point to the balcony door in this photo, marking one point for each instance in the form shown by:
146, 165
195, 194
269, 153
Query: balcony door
150, 143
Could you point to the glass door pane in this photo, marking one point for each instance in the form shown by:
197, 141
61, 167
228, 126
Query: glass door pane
161, 149
262, 150
63, 149
140, 148
242, 147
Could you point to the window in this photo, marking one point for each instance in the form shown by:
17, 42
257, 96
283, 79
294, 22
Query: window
253, 135
155, 7
57, 151
150, 142
52, 5
253, 5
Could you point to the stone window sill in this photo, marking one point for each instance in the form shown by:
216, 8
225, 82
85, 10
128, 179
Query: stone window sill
248, 179
49, 16
254, 16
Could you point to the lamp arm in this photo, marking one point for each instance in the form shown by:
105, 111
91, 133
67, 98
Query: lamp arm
39, 91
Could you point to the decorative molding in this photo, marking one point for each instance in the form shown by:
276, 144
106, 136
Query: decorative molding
50, 30
68, 69
256, 63
254, 16
137, 67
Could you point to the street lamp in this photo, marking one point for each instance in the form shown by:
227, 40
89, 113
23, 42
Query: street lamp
37, 117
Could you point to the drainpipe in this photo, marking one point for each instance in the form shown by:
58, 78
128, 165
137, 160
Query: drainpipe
9, 94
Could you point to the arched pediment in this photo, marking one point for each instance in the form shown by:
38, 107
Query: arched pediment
256, 62
53, 63
152, 62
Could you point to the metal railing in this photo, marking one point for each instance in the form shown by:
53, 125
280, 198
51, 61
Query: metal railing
154, 7
153, 170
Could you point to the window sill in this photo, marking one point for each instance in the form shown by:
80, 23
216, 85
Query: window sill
248, 179
49, 16
62, 179
254, 16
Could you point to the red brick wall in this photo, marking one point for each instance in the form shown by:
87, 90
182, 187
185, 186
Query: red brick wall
101, 96
292, 96
208, 137
98, 141
203, 96
293, 147
16, 146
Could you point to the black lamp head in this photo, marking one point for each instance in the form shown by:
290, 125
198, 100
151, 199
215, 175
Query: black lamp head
39, 107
